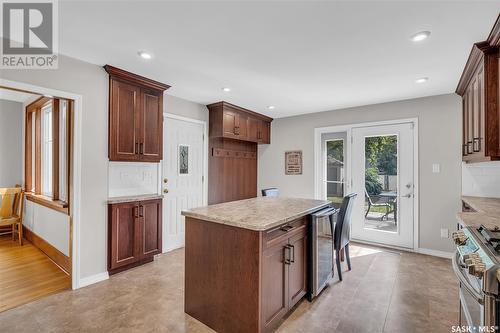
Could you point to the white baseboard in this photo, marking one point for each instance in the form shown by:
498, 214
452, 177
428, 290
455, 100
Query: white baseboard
436, 253
87, 281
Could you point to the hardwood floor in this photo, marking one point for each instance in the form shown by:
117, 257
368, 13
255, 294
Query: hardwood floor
26, 274
386, 291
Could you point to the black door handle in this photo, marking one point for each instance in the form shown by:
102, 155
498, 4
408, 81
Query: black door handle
141, 211
287, 260
292, 247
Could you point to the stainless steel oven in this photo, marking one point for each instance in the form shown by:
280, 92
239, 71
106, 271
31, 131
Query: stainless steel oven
321, 250
475, 266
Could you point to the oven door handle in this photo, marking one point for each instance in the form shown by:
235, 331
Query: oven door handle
464, 281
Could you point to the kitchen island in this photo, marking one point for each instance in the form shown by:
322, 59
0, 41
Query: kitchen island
246, 261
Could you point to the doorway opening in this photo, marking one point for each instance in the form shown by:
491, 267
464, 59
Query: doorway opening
378, 162
35, 195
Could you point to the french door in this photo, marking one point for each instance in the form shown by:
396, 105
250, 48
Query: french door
382, 175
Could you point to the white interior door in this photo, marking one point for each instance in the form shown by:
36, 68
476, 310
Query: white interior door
383, 177
182, 172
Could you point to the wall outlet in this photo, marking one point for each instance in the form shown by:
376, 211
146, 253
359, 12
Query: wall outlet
436, 168
445, 233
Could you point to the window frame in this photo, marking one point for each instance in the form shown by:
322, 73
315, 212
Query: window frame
37, 196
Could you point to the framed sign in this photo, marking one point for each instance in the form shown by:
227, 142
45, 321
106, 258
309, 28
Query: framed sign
293, 162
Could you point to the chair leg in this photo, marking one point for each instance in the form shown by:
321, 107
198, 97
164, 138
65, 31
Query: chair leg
347, 256
339, 268
368, 210
20, 234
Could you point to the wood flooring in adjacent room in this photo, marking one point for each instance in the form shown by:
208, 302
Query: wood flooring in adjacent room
386, 291
26, 274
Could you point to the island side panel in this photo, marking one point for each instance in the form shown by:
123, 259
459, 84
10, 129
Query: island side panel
222, 276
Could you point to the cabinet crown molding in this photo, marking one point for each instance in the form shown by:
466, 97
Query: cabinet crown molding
224, 104
478, 52
494, 36
118, 73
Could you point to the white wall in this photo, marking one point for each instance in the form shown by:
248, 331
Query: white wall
439, 142
49, 224
11, 138
481, 179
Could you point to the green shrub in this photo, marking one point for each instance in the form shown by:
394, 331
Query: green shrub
372, 183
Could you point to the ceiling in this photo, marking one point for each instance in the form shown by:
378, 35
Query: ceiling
17, 96
300, 57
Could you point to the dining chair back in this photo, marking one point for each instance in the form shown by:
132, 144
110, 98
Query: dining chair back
270, 192
342, 233
11, 210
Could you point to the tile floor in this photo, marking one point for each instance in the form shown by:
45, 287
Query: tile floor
387, 291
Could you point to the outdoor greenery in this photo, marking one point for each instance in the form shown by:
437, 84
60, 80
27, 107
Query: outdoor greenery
381, 159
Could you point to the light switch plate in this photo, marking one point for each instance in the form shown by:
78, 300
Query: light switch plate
436, 168
445, 233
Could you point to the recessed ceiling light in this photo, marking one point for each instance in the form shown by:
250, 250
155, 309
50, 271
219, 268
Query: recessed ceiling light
271, 107
226, 89
144, 55
422, 80
420, 36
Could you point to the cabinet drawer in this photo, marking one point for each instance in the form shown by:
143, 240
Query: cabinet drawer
277, 234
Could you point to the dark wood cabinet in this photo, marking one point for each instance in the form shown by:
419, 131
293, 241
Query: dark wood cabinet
135, 117
234, 122
232, 165
134, 233
284, 273
479, 89
251, 279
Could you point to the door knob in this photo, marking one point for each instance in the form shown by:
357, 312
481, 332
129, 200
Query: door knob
165, 180
408, 185
407, 195
165, 191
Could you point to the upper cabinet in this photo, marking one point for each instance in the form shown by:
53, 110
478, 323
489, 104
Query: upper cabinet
135, 117
231, 121
479, 89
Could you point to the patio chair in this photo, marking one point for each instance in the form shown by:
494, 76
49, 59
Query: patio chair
376, 204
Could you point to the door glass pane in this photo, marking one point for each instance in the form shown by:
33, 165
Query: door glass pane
183, 160
381, 182
335, 171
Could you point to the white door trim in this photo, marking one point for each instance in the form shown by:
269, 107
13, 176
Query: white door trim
205, 154
318, 168
77, 158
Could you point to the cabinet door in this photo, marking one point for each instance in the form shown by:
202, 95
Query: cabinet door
229, 124
151, 126
151, 224
297, 280
274, 284
253, 128
265, 132
124, 230
123, 109
242, 126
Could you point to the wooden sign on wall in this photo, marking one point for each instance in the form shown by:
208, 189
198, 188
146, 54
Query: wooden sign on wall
293, 162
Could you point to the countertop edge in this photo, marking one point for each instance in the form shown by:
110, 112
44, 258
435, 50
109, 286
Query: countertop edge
268, 226
132, 198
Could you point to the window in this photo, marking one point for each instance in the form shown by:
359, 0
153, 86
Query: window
335, 171
183, 159
47, 152
47, 146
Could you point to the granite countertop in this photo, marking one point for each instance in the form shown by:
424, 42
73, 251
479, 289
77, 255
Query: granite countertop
259, 213
131, 198
486, 212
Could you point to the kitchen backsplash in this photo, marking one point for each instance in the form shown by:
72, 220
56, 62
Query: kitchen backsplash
133, 178
481, 179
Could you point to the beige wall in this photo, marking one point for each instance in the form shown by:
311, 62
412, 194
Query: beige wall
91, 82
11, 119
439, 121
